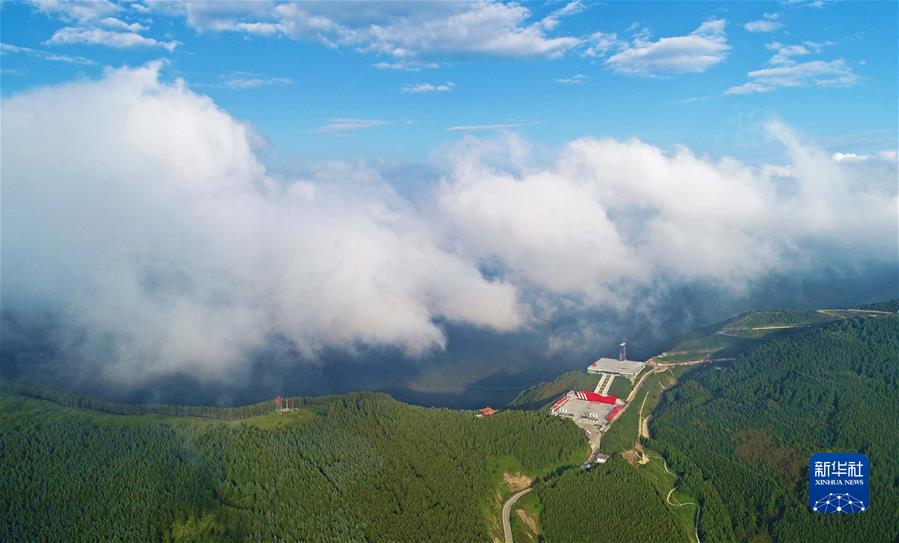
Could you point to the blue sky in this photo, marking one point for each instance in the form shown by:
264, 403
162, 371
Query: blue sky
323, 88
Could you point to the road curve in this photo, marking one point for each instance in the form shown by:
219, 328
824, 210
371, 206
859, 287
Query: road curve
507, 510
678, 504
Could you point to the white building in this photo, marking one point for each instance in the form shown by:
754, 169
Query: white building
625, 368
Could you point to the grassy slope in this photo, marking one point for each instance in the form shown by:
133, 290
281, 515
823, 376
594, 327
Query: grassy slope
776, 317
520, 532
621, 387
623, 433
542, 395
741, 333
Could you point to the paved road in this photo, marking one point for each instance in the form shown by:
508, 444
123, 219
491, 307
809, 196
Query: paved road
507, 510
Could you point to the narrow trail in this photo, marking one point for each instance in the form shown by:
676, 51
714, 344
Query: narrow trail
870, 312
640, 421
507, 510
676, 503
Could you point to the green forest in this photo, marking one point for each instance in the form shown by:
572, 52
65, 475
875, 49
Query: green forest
736, 435
741, 433
608, 503
891, 306
360, 467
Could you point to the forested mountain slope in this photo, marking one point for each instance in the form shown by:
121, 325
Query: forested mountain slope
360, 467
363, 467
741, 433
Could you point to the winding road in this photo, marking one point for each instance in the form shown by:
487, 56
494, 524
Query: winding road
676, 503
507, 510
656, 367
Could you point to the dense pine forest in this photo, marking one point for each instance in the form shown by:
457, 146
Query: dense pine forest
360, 467
889, 305
363, 467
608, 503
741, 433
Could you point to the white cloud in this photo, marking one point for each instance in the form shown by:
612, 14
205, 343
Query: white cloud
406, 65
346, 125
137, 210
609, 217
695, 52
488, 127
551, 21
804, 3
97, 26
888, 156
478, 27
783, 53
6, 48
109, 38
784, 71
172, 250
850, 157
576, 79
402, 31
425, 88
240, 83
73, 10
601, 43
768, 23
112, 22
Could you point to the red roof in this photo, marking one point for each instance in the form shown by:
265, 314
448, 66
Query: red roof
559, 403
487, 411
614, 412
594, 397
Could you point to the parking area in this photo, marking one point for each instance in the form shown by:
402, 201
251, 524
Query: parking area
579, 409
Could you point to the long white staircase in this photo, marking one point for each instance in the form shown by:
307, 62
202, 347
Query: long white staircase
604, 384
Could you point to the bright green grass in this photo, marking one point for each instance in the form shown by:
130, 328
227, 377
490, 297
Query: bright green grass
50, 411
623, 434
542, 395
621, 387
654, 472
12, 407
777, 317
739, 334
530, 505
714, 345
